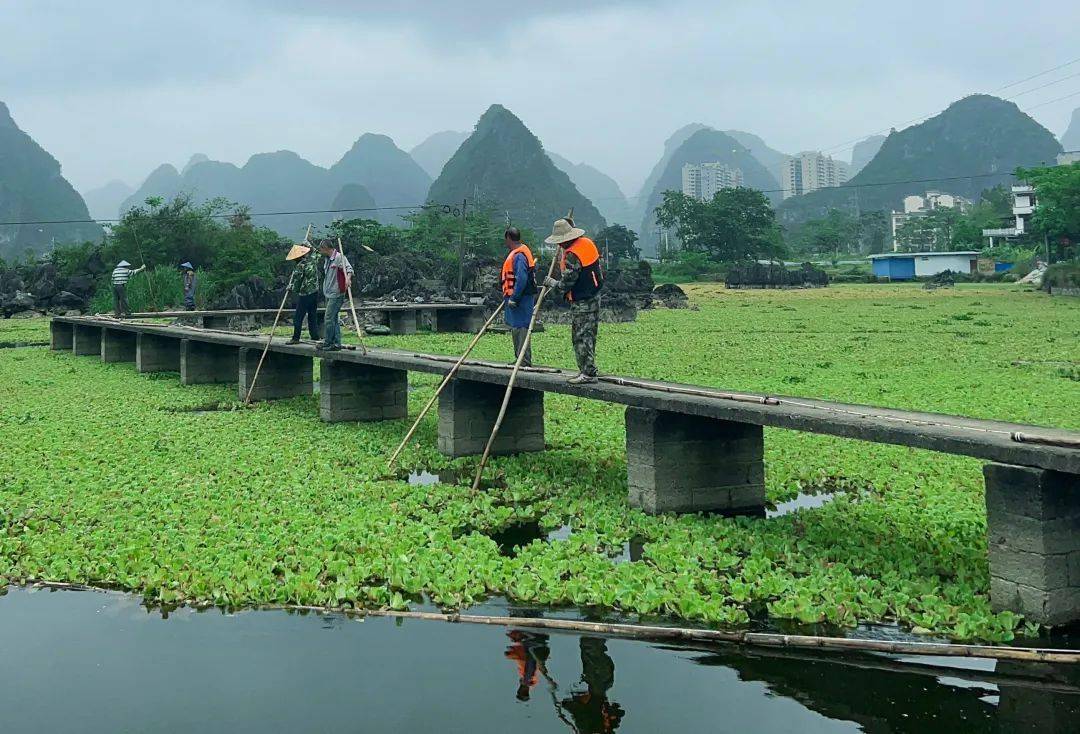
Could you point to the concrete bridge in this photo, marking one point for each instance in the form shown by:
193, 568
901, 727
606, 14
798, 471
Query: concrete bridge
402, 318
689, 449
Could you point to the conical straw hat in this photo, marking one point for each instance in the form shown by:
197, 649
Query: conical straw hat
297, 252
563, 231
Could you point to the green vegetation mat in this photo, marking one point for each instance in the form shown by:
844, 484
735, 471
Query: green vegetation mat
125, 480
21, 332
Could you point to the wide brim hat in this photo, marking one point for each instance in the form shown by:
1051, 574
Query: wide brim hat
563, 231
123, 264
297, 252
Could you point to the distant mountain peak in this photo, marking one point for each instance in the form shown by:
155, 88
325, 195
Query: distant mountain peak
194, 161
1070, 140
6, 120
434, 151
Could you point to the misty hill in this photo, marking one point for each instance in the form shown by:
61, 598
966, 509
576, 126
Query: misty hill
505, 165
374, 172
389, 174
599, 188
773, 160
975, 144
353, 196
672, 144
104, 202
704, 146
1071, 139
32, 189
864, 152
433, 153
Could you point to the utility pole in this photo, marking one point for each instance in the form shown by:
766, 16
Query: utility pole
461, 249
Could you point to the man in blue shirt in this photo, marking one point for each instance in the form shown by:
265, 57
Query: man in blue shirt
519, 291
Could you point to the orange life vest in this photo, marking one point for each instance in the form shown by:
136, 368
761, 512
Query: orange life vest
509, 280
591, 279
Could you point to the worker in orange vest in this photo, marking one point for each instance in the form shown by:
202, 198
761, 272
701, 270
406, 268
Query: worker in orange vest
580, 282
519, 291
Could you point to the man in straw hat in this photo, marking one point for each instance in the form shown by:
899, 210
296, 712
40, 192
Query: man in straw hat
306, 284
187, 275
121, 274
580, 283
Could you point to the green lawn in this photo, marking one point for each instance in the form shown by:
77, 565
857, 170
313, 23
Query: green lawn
109, 478
20, 332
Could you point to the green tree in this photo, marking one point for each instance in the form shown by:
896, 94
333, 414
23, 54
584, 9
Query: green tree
1057, 205
617, 242
836, 233
736, 224
875, 232
934, 231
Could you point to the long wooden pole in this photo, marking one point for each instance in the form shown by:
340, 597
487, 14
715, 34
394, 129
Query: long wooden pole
445, 382
269, 341
277, 317
352, 306
513, 375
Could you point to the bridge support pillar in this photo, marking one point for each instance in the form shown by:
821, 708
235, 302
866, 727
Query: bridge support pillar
61, 336
86, 340
468, 320
467, 413
356, 392
117, 345
684, 463
157, 353
402, 322
1033, 528
202, 362
281, 376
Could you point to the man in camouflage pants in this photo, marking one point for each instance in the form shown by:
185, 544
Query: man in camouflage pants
581, 282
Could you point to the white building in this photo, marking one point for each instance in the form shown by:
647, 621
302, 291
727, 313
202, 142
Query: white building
919, 206
703, 180
1068, 157
911, 265
810, 170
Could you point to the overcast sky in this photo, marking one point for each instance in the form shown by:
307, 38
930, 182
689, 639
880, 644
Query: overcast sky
114, 89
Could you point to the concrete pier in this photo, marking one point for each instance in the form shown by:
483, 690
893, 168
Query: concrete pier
203, 362
86, 340
1033, 529
61, 336
356, 392
685, 463
463, 320
281, 376
467, 413
117, 346
402, 322
156, 353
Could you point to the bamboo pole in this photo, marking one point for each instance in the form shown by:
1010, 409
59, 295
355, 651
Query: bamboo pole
445, 382
675, 390
270, 339
352, 306
513, 375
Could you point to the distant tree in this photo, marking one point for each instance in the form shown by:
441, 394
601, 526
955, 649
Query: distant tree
355, 233
836, 233
736, 224
875, 232
934, 231
1057, 199
617, 242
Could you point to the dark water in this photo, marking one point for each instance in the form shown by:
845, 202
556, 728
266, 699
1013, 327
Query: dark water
92, 662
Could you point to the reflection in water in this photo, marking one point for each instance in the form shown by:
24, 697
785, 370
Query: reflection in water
100, 663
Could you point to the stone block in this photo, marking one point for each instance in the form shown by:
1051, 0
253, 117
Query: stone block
468, 320
467, 413
61, 336
1033, 529
117, 345
354, 392
682, 463
86, 340
206, 362
402, 322
157, 353
280, 376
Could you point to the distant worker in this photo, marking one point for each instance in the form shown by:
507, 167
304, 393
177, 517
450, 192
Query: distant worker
121, 274
187, 271
337, 274
306, 286
581, 282
519, 291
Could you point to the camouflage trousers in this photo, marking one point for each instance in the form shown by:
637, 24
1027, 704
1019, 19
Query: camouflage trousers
585, 321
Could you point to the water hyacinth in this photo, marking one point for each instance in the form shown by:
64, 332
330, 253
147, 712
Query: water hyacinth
117, 479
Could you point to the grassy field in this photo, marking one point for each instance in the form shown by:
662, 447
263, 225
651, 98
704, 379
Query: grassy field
114, 478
